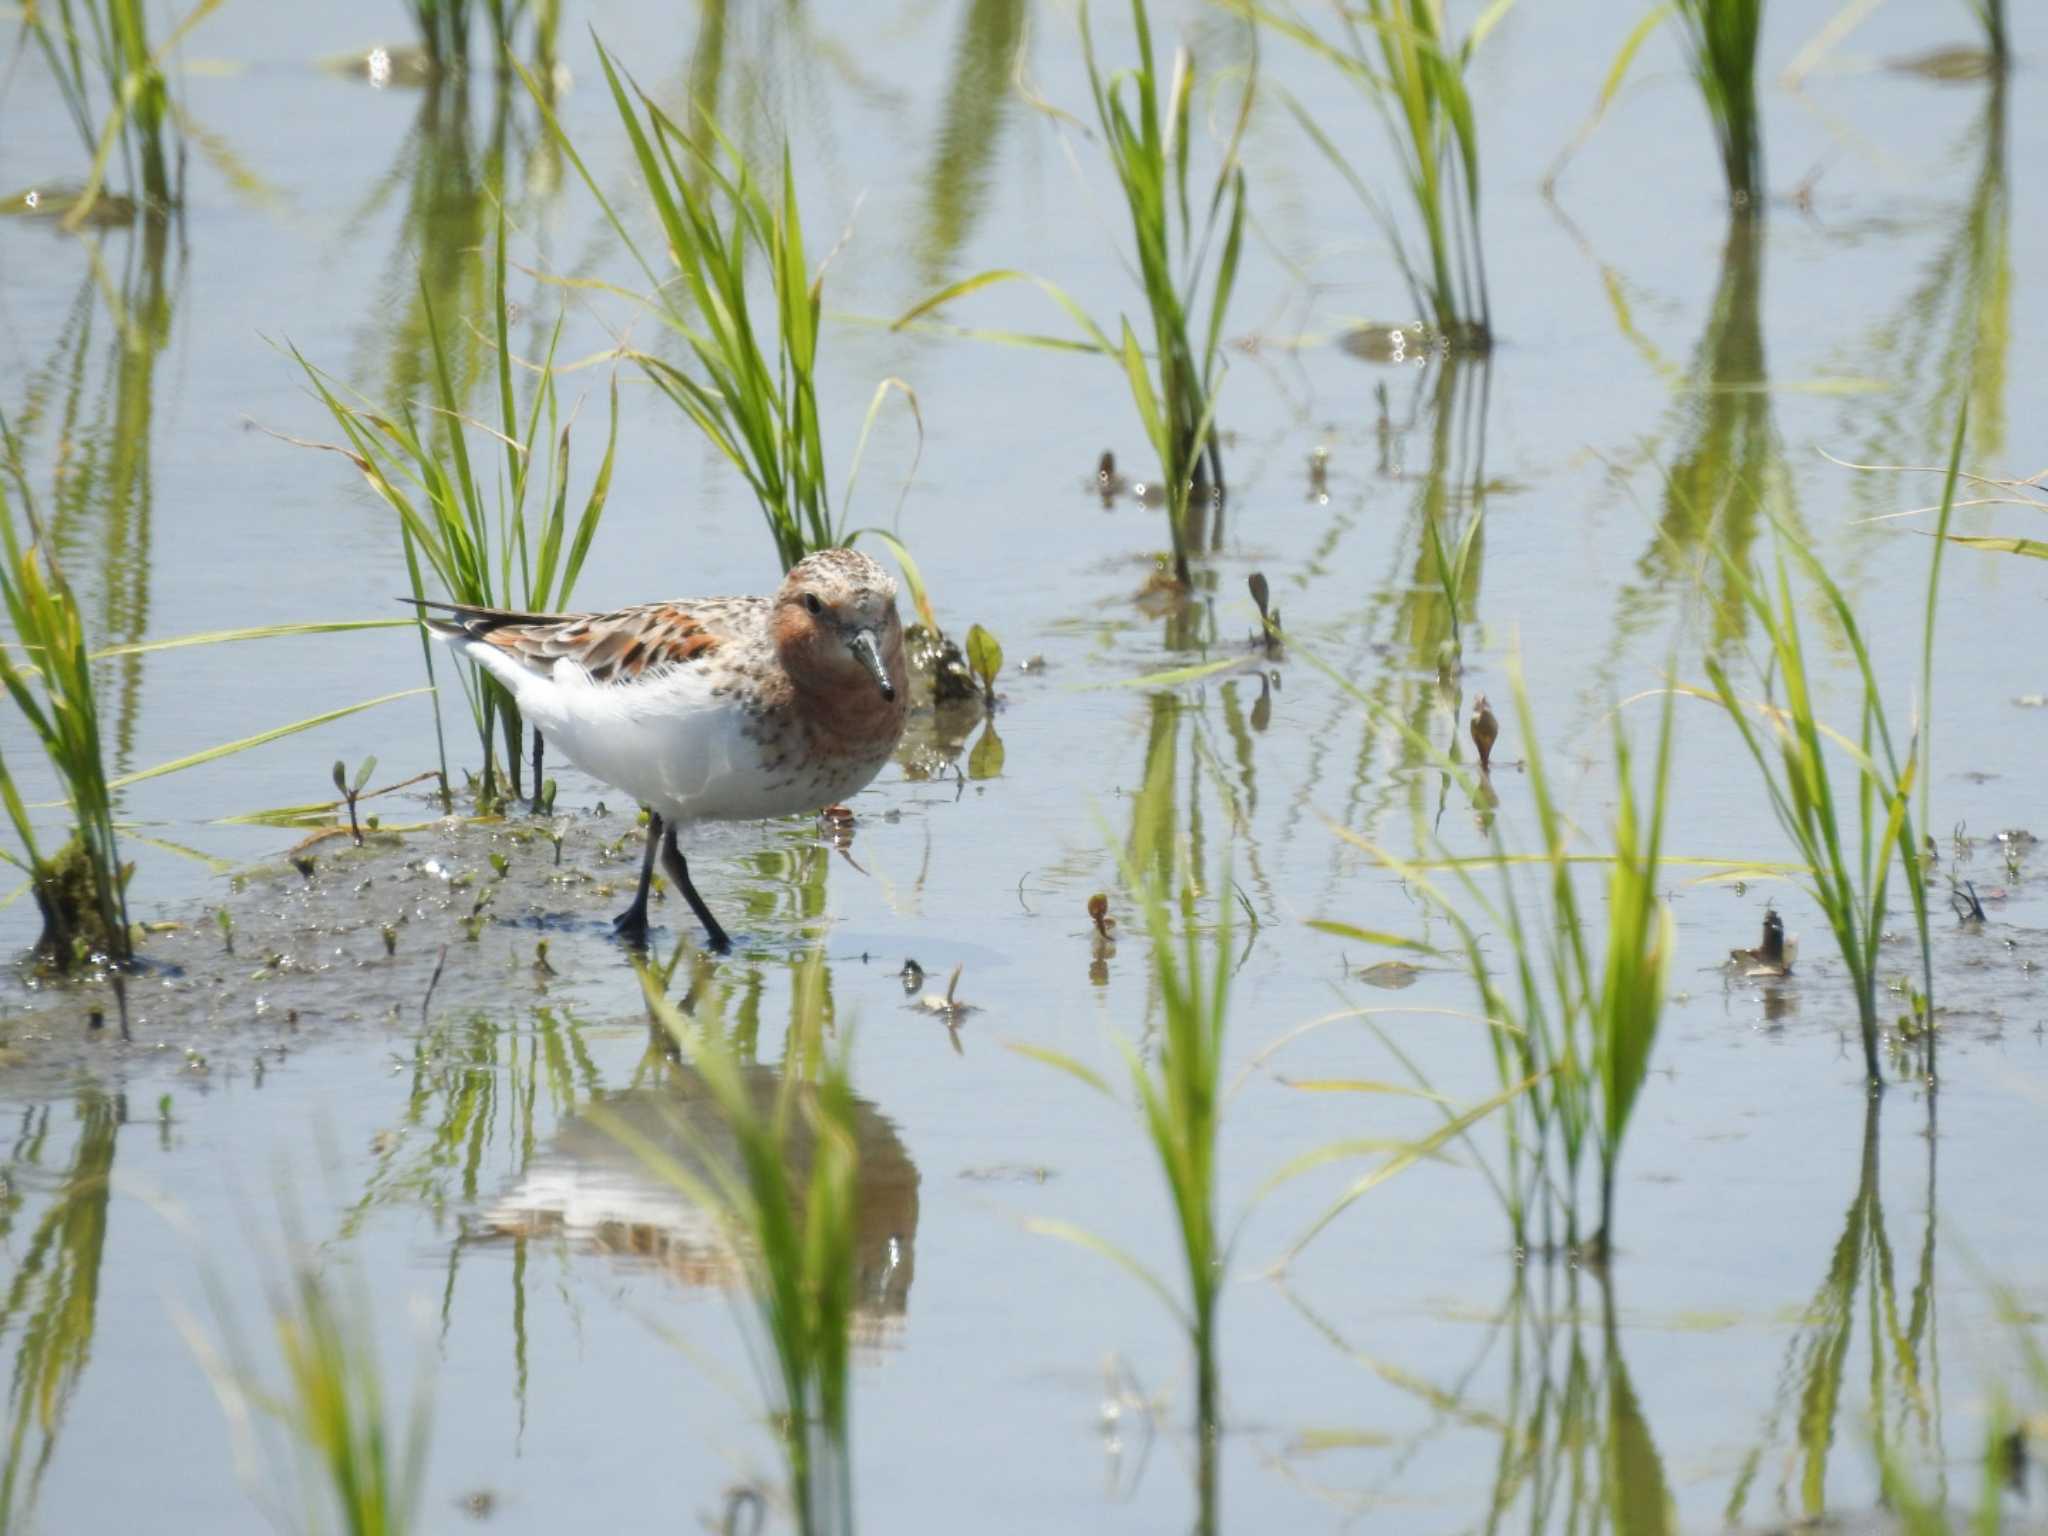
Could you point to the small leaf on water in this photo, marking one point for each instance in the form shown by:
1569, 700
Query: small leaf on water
363, 773
985, 656
1390, 973
1260, 592
986, 760
501, 864
340, 777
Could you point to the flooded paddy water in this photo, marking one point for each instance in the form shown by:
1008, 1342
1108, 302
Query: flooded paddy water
426, 1084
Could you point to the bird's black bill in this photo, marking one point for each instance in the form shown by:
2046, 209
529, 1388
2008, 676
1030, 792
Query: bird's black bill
869, 654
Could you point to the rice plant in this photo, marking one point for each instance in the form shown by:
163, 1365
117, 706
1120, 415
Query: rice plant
81, 889
1147, 136
1849, 860
1180, 1098
1721, 38
1401, 53
515, 547
1571, 1027
1721, 46
754, 395
1146, 130
355, 1464
98, 48
791, 1218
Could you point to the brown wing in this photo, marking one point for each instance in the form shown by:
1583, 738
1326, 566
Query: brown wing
617, 646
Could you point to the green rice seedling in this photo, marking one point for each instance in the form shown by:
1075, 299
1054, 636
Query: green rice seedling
753, 391
1182, 1103
1721, 38
514, 548
1180, 1099
81, 890
1571, 1027
1401, 53
1847, 880
101, 48
1721, 46
1147, 131
792, 1220
355, 1464
1147, 134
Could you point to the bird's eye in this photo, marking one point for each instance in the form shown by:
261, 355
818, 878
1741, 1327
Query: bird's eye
811, 602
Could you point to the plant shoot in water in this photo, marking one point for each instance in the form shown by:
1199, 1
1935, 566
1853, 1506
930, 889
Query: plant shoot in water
1269, 616
985, 657
1146, 122
1400, 53
351, 789
1485, 732
82, 889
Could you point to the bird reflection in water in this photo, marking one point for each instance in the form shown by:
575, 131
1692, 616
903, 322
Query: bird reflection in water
591, 1187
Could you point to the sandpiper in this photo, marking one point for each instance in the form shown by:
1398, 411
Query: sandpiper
710, 709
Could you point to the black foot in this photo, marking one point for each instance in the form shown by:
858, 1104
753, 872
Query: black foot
631, 924
679, 872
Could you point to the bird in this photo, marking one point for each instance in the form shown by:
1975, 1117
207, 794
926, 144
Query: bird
709, 709
1485, 731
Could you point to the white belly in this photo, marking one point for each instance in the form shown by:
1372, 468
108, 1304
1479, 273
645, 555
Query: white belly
676, 748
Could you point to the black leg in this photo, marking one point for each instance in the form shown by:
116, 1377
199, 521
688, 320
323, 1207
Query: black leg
631, 924
538, 746
678, 871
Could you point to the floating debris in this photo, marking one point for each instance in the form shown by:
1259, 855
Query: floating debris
1391, 974
1106, 482
912, 977
1774, 953
1409, 343
1962, 898
1009, 1173
949, 1008
1956, 65
381, 66
1098, 914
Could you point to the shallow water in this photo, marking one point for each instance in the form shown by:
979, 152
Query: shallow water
1794, 1269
